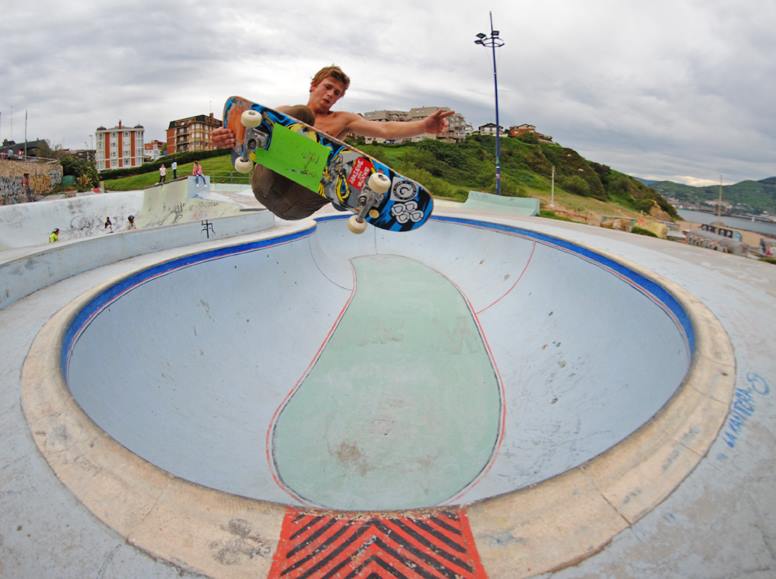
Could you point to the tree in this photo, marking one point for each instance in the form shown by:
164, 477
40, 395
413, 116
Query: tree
45, 151
85, 172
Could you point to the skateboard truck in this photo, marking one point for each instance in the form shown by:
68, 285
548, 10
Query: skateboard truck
370, 197
254, 139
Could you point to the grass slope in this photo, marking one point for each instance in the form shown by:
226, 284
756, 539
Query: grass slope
452, 170
214, 166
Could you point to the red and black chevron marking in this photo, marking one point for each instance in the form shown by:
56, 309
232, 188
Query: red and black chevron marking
435, 545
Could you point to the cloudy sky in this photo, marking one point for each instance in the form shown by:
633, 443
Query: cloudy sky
665, 89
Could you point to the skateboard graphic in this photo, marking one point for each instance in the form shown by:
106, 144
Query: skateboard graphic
349, 178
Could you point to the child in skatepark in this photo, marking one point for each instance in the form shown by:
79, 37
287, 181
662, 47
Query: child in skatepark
285, 198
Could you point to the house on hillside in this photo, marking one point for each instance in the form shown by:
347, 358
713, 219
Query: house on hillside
489, 129
14, 150
527, 129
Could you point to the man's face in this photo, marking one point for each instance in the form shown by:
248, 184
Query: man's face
324, 94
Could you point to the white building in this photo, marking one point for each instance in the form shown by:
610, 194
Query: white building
490, 129
457, 125
119, 147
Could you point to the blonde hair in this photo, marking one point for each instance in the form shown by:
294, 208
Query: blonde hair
334, 72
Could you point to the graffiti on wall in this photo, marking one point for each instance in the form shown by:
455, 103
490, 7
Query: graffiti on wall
24, 181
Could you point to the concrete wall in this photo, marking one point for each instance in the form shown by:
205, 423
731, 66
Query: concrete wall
23, 275
179, 202
44, 176
29, 224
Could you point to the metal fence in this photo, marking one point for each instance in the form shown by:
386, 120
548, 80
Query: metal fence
229, 177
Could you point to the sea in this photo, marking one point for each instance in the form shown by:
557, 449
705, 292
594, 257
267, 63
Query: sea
735, 222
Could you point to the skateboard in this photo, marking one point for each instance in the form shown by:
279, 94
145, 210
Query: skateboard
349, 178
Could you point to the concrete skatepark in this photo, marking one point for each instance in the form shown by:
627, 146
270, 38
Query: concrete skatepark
588, 402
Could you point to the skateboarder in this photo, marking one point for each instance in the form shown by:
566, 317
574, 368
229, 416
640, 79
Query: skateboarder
285, 198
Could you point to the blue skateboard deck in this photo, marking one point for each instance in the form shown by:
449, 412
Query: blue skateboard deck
326, 166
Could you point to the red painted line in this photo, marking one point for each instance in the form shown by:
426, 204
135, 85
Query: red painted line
502, 397
514, 285
499, 381
599, 265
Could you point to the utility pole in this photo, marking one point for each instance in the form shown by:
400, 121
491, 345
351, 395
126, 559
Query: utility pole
552, 188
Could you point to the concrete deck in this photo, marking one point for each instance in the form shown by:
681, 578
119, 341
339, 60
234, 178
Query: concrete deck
689, 492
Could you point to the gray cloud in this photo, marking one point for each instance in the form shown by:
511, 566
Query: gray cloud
677, 90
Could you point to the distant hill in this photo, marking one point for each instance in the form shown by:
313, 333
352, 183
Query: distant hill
750, 196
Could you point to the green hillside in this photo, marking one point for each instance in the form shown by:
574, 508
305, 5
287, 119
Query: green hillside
750, 196
451, 170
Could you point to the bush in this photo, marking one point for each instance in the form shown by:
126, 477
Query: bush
510, 187
575, 185
641, 231
83, 183
644, 205
552, 215
83, 172
153, 166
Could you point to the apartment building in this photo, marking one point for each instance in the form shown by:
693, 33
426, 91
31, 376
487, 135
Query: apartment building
191, 134
119, 147
458, 128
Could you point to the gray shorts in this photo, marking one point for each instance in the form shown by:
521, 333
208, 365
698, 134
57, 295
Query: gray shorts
283, 197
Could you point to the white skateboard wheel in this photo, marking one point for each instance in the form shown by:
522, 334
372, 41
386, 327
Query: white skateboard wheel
243, 165
250, 118
356, 225
379, 183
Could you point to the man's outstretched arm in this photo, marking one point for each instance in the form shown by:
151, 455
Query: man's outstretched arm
433, 124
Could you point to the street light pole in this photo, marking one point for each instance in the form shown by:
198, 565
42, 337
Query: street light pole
494, 42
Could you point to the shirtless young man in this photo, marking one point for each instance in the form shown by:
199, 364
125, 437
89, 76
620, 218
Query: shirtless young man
285, 198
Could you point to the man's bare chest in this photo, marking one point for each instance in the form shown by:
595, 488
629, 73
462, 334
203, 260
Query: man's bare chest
333, 125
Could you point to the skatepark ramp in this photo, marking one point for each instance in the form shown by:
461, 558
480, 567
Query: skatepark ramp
488, 202
383, 371
83, 216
